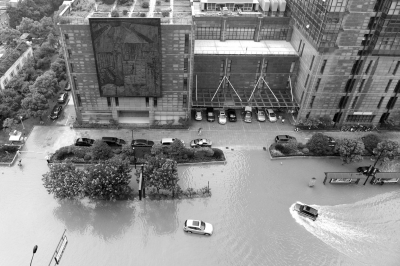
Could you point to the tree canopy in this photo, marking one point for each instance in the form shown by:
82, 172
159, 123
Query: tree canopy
46, 85
318, 144
350, 150
35, 105
39, 29
386, 150
371, 142
9, 36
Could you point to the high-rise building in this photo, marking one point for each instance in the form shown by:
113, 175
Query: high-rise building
313, 58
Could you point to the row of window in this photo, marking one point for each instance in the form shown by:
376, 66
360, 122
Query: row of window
12, 74
344, 100
243, 33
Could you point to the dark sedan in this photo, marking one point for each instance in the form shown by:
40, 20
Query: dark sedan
111, 141
55, 113
142, 143
231, 115
84, 142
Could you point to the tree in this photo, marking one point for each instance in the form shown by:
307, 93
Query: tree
371, 142
319, 144
101, 151
9, 36
52, 40
45, 51
108, 180
35, 105
64, 181
10, 102
160, 173
46, 85
9, 123
350, 150
386, 150
59, 68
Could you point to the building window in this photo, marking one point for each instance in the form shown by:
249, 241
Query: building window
312, 61
308, 115
298, 49
274, 32
108, 101
208, 33
368, 67
75, 83
147, 101
360, 118
343, 102
323, 66
155, 101
184, 101
391, 103
305, 84
397, 88
396, 67
78, 97
71, 66
292, 67
185, 65
361, 85
353, 105
116, 101
317, 84
337, 116
356, 67
302, 50
388, 85
245, 33
380, 102
349, 85
66, 36
312, 101
69, 53
302, 95
186, 43
185, 84
12, 74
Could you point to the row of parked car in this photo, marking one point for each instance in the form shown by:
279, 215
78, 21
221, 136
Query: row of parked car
111, 141
262, 114
57, 109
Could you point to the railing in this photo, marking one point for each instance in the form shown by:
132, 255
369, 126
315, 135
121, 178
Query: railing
241, 52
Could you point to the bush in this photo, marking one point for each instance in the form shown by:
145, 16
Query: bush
300, 146
165, 13
79, 152
63, 153
319, 144
124, 12
290, 147
279, 147
275, 153
114, 14
218, 154
305, 150
158, 2
87, 157
142, 15
371, 142
145, 4
101, 151
203, 152
9, 149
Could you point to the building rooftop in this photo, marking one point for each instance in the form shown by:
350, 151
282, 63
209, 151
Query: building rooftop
243, 47
171, 12
10, 56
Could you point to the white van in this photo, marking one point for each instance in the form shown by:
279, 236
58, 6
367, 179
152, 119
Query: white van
271, 115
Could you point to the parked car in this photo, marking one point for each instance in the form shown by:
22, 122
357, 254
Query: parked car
271, 115
284, 138
332, 141
222, 117
364, 170
55, 113
231, 115
113, 141
198, 116
142, 143
306, 211
67, 86
210, 114
169, 141
260, 114
247, 114
62, 97
200, 143
198, 227
84, 142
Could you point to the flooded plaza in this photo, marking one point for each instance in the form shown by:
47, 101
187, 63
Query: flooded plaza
250, 209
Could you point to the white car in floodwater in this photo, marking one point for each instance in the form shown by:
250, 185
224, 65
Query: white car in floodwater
198, 227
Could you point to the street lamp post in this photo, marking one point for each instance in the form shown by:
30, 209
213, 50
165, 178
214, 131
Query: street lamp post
22, 122
134, 155
34, 251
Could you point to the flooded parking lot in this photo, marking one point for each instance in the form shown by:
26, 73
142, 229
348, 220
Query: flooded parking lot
250, 210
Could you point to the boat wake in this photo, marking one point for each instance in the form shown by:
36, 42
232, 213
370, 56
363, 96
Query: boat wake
367, 231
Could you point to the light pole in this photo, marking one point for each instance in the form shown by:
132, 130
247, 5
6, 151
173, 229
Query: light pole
22, 122
34, 251
134, 155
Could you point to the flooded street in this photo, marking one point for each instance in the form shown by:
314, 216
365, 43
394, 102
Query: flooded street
250, 209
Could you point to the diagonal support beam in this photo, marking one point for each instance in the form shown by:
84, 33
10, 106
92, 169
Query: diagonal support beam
291, 89
254, 88
270, 89
233, 89
218, 87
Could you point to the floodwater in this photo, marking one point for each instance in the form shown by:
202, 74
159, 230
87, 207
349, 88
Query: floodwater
250, 209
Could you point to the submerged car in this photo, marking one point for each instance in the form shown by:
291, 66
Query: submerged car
271, 115
200, 143
84, 142
364, 170
331, 141
231, 113
169, 141
55, 113
62, 98
111, 141
222, 117
306, 211
210, 114
198, 227
260, 114
284, 138
247, 114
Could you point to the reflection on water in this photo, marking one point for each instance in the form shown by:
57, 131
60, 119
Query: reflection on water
365, 231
